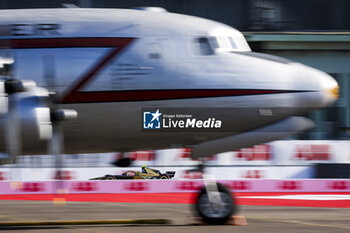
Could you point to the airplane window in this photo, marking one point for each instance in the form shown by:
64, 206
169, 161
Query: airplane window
224, 43
209, 45
204, 46
233, 45
229, 44
154, 51
241, 44
154, 55
214, 42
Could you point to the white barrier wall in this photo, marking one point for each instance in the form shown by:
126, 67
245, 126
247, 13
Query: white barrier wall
224, 173
171, 186
278, 159
286, 152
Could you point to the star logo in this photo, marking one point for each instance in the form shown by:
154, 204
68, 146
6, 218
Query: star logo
156, 115
151, 120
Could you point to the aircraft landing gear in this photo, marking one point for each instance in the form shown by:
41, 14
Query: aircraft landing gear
214, 203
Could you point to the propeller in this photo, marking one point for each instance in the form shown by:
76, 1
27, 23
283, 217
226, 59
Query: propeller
10, 86
58, 115
13, 103
55, 145
32, 113
8, 104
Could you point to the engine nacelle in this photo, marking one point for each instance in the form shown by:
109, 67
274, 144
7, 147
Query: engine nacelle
3, 99
30, 116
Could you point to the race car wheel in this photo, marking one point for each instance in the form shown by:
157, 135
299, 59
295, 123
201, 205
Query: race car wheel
110, 178
217, 211
164, 176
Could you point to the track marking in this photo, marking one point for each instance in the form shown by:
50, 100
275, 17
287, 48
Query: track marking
310, 197
300, 222
85, 222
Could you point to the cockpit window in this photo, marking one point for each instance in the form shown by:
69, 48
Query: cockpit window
228, 44
204, 46
233, 45
224, 43
213, 42
241, 43
210, 45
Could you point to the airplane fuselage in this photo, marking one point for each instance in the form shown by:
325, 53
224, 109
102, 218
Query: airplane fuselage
112, 65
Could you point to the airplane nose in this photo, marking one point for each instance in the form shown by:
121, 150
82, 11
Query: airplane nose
330, 89
323, 88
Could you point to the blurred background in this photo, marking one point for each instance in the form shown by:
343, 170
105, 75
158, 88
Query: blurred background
255, 15
315, 33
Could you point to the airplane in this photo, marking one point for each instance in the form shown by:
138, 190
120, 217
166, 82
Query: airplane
142, 79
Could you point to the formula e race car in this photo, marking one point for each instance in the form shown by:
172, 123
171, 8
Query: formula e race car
146, 173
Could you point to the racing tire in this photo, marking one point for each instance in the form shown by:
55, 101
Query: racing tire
163, 177
215, 213
109, 177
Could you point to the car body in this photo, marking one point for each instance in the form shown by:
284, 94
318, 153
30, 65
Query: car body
146, 173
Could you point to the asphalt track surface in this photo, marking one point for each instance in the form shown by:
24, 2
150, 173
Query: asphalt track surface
260, 218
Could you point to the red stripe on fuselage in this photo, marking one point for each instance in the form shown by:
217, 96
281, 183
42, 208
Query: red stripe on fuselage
41, 43
148, 95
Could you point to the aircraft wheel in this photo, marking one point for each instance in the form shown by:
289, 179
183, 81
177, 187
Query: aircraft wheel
218, 211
